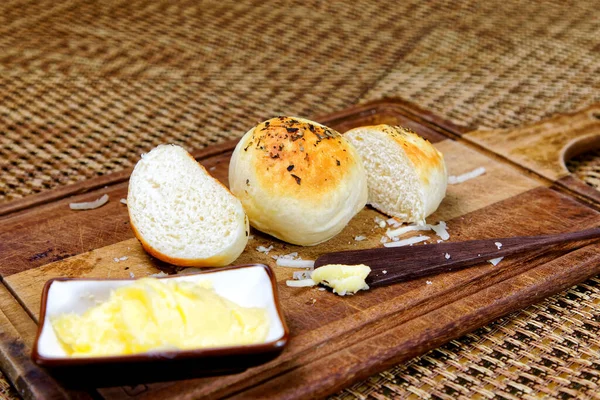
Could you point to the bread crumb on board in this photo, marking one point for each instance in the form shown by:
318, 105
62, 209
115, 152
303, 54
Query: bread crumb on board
380, 222
311, 302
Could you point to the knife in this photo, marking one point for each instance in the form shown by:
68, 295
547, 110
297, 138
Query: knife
412, 262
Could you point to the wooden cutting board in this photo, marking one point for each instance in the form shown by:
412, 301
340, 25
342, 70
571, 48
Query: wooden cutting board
335, 341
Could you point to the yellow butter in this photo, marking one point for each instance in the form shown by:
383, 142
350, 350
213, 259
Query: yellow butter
154, 315
343, 279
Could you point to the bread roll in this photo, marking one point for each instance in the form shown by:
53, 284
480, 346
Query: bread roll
181, 214
297, 180
407, 176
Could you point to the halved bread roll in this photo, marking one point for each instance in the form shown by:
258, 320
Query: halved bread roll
181, 214
297, 180
407, 176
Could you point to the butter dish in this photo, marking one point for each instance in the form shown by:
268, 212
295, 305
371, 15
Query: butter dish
250, 285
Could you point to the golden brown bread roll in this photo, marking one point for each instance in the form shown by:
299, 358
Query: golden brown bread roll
407, 176
297, 180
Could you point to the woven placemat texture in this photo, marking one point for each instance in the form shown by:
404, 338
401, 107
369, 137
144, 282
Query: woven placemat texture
586, 167
86, 86
7, 392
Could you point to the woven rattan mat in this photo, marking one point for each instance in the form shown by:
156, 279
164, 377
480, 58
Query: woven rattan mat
86, 86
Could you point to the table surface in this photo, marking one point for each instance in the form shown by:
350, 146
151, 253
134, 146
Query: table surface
87, 87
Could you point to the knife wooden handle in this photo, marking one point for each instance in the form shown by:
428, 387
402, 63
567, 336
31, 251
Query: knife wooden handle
412, 262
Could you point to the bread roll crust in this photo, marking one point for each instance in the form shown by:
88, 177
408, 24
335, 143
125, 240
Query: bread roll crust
298, 154
297, 180
425, 158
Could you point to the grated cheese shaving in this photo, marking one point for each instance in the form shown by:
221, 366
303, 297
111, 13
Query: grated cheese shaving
407, 242
495, 261
405, 229
394, 222
90, 205
286, 262
453, 180
440, 230
301, 283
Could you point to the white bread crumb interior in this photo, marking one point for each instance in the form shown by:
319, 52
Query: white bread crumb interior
406, 175
181, 214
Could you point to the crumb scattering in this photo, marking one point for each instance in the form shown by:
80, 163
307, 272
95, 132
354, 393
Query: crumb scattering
263, 249
380, 222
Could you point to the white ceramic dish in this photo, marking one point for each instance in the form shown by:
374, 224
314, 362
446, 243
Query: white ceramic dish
247, 285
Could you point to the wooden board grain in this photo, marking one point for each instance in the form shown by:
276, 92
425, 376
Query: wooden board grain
334, 340
546, 146
17, 332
